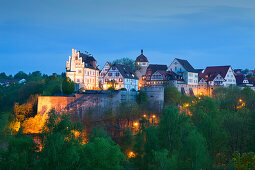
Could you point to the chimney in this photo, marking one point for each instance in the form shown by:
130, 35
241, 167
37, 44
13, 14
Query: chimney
141, 51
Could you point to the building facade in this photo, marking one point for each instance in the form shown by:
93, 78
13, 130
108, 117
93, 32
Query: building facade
142, 64
120, 77
82, 69
218, 76
184, 69
103, 73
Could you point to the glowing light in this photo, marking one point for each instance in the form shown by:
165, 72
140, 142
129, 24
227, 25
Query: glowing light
135, 124
240, 100
186, 105
105, 86
153, 116
131, 154
144, 115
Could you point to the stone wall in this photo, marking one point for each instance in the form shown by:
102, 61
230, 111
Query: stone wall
155, 97
96, 101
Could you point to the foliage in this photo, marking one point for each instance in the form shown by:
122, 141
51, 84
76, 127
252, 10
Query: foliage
26, 110
125, 61
20, 153
142, 99
68, 86
172, 96
20, 75
244, 161
102, 153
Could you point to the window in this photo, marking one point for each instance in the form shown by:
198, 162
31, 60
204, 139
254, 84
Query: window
78, 80
120, 80
80, 71
117, 74
109, 74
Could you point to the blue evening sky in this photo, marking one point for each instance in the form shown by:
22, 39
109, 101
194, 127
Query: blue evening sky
40, 34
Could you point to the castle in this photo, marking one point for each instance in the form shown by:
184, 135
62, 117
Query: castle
82, 69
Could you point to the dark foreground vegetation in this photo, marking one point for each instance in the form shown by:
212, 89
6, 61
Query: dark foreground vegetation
201, 132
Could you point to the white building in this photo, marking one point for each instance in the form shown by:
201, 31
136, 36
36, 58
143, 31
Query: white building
184, 69
82, 69
218, 76
120, 76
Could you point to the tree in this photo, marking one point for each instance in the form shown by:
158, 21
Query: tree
61, 147
125, 61
68, 86
193, 153
244, 161
20, 153
171, 128
102, 153
172, 96
20, 75
3, 76
142, 99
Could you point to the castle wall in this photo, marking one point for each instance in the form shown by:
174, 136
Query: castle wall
96, 101
155, 97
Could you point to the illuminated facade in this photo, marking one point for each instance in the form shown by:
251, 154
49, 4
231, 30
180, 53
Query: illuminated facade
82, 69
142, 64
184, 69
218, 76
120, 77
103, 73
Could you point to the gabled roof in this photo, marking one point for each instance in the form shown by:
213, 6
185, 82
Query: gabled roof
125, 71
141, 58
88, 59
240, 78
168, 75
187, 66
215, 70
157, 67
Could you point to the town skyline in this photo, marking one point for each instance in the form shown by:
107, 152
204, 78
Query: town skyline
38, 36
152, 60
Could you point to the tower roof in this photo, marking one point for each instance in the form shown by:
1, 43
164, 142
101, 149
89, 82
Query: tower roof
141, 58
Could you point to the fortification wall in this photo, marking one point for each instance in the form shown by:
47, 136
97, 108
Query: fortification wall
95, 101
46, 103
155, 97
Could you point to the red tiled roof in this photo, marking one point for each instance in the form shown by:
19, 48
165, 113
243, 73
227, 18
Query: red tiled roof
222, 70
141, 58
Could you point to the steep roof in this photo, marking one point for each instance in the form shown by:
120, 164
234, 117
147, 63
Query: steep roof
187, 66
240, 78
168, 75
125, 71
141, 58
222, 70
88, 59
157, 67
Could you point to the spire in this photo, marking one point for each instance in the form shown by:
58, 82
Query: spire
141, 51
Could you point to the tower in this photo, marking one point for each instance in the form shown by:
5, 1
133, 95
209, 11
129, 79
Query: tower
142, 64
